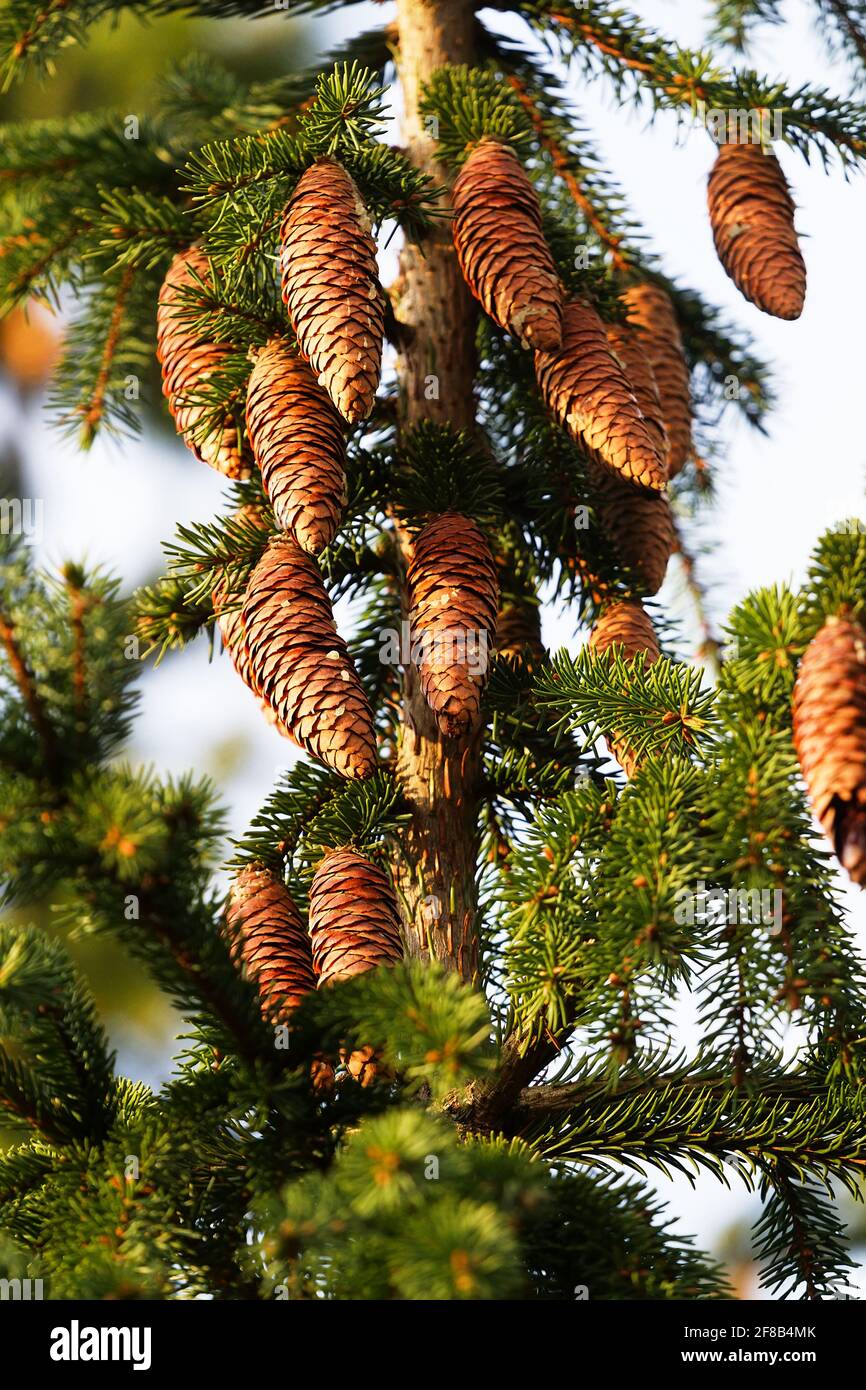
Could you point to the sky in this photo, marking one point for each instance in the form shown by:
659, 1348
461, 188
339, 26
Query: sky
775, 493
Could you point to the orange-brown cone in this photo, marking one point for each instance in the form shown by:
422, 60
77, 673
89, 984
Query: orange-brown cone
187, 361
227, 607
652, 313
301, 664
297, 439
630, 352
752, 217
501, 248
587, 392
640, 525
354, 923
453, 600
625, 626
269, 938
830, 737
331, 286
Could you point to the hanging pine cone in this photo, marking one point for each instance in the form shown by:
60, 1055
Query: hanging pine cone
501, 248
331, 286
586, 391
652, 313
269, 938
297, 439
830, 737
301, 664
187, 361
453, 598
354, 923
752, 217
640, 525
625, 625
227, 609
631, 354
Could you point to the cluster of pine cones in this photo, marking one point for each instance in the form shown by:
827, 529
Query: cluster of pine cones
354, 926
620, 390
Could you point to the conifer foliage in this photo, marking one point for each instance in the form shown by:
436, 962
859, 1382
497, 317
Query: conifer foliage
453, 886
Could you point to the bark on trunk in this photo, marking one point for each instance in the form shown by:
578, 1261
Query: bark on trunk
435, 872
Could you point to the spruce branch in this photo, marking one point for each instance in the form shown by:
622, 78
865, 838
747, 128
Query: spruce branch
635, 57
658, 708
734, 21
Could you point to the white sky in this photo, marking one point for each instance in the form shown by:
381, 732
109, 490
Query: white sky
776, 494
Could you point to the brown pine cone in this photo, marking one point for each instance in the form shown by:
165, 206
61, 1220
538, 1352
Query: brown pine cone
453, 599
752, 217
297, 438
331, 286
830, 737
301, 664
227, 608
631, 354
652, 313
640, 524
268, 937
625, 625
187, 361
354, 923
586, 391
501, 248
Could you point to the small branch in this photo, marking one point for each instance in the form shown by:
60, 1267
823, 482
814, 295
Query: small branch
94, 409
711, 647
563, 166
855, 34
24, 680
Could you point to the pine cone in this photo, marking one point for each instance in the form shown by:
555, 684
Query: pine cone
187, 361
501, 248
354, 923
630, 352
331, 286
453, 598
269, 938
639, 523
830, 737
297, 438
586, 391
625, 625
652, 313
752, 216
301, 664
230, 622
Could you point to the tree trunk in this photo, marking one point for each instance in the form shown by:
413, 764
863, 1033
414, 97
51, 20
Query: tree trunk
435, 871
